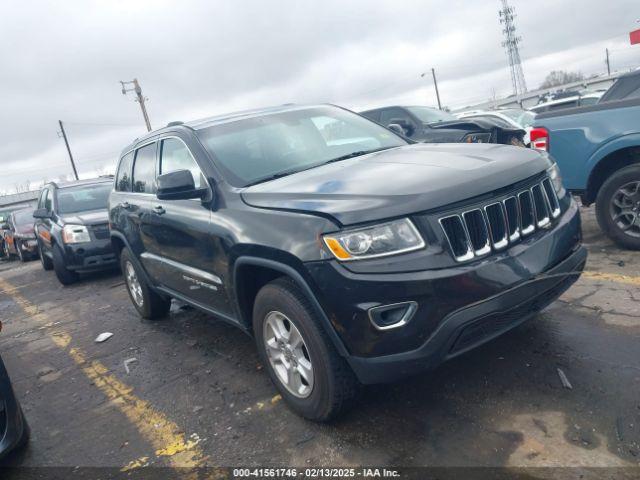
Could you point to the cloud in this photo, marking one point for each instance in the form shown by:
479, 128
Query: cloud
63, 60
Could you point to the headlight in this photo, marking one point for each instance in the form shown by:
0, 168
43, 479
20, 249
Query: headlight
556, 179
477, 138
391, 238
75, 234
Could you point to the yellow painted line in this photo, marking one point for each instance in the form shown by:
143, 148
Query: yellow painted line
612, 277
163, 434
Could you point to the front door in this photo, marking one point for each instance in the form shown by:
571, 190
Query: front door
180, 248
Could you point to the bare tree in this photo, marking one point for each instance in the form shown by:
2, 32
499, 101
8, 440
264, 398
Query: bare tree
557, 78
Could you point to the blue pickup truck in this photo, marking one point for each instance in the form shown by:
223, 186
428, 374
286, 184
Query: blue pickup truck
598, 151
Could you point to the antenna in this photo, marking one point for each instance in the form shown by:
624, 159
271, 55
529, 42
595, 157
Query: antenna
510, 44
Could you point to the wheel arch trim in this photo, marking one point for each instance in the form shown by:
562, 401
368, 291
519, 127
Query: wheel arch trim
301, 283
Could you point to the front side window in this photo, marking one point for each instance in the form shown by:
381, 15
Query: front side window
83, 198
48, 204
42, 197
176, 156
123, 179
144, 169
259, 148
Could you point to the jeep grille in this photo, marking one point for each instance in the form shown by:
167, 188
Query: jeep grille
494, 226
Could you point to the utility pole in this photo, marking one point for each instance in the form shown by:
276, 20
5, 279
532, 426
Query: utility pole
435, 83
66, 142
141, 99
607, 61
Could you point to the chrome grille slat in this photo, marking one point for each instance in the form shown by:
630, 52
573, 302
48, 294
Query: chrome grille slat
552, 197
478, 231
458, 237
492, 227
540, 206
513, 218
527, 213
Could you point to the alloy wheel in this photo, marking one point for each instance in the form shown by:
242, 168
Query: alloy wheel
288, 354
134, 284
625, 208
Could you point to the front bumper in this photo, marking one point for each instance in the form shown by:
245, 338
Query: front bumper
459, 308
90, 256
29, 246
13, 427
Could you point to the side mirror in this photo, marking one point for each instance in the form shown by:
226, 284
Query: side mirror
41, 213
4, 226
178, 185
403, 123
396, 128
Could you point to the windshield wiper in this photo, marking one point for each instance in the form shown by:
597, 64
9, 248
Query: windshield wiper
292, 171
272, 177
359, 153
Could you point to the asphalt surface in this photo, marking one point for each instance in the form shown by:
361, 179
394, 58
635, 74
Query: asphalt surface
197, 395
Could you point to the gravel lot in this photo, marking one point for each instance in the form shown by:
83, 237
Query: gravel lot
196, 394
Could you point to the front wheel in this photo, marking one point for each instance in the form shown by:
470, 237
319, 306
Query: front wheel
148, 303
315, 381
47, 263
65, 276
618, 207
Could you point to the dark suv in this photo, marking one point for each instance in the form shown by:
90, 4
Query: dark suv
72, 228
350, 255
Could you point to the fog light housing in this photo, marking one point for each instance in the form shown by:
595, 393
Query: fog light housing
396, 315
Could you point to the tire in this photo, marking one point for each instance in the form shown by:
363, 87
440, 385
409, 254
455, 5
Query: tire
149, 304
65, 276
332, 387
46, 262
616, 196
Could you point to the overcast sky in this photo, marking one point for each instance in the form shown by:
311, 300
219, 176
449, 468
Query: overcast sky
63, 60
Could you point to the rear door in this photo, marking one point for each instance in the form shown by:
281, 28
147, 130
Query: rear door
183, 252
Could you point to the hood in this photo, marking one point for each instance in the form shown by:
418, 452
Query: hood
399, 181
91, 217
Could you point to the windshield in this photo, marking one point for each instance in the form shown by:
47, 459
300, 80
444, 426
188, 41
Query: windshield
521, 117
263, 147
83, 198
431, 115
23, 217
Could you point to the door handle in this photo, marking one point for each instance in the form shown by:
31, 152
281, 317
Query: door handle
159, 210
125, 205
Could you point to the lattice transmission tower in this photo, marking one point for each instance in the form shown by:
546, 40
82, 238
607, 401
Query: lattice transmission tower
510, 44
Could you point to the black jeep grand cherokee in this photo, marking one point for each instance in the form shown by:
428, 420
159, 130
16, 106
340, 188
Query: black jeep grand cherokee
350, 255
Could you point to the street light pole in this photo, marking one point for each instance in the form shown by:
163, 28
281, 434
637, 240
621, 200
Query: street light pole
435, 83
141, 99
